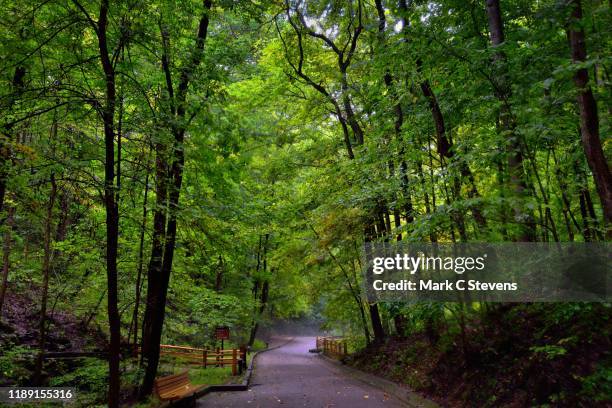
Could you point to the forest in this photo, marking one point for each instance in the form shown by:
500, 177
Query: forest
168, 167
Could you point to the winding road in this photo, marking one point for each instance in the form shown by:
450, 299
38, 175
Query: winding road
290, 376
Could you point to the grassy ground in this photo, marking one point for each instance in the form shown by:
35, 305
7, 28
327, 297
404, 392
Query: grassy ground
200, 375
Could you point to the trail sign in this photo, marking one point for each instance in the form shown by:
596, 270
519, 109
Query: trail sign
222, 333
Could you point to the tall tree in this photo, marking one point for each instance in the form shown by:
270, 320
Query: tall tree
111, 192
444, 144
17, 90
47, 259
169, 182
6, 255
507, 123
589, 118
397, 127
344, 54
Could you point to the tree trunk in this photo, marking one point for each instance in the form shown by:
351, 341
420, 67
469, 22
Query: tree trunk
502, 91
262, 307
163, 252
138, 289
111, 197
157, 252
6, 255
219, 275
154, 318
397, 128
262, 262
589, 120
403, 167
18, 85
443, 143
344, 59
377, 327
364, 322
46, 269
348, 108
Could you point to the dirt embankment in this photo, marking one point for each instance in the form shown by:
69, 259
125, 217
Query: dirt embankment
19, 330
517, 356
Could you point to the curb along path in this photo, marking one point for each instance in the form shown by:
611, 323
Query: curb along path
401, 392
244, 385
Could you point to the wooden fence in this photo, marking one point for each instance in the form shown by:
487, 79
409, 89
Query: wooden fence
335, 347
236, 358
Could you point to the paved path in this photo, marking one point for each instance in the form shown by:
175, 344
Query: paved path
290, 376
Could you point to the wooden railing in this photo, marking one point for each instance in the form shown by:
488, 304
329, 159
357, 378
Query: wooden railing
236, 358
335, 347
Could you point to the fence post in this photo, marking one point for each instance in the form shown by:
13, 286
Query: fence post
243, 357
345, 348
234, 355
205, 357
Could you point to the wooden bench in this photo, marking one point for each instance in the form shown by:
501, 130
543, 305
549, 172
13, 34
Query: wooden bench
175, 387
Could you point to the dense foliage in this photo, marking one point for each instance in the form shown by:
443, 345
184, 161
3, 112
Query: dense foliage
167, 167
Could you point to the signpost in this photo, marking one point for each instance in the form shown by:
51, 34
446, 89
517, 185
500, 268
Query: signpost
222, 333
